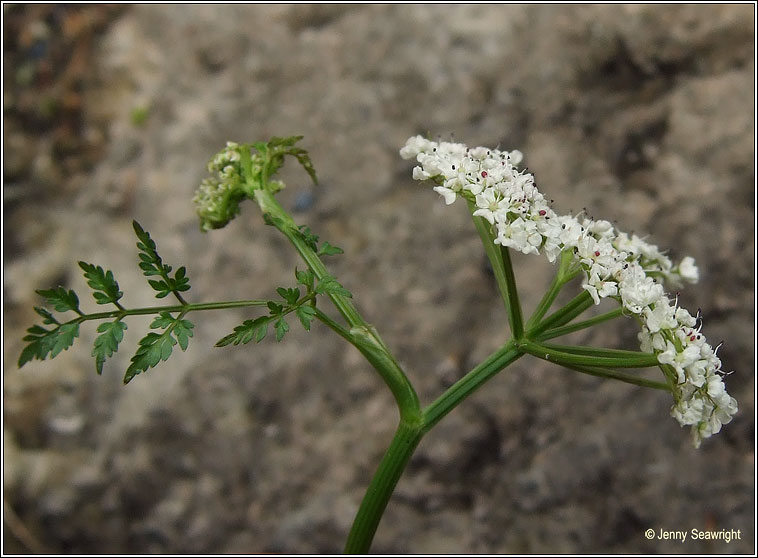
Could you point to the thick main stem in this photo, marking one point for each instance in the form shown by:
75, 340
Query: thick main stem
381, 488
407, 438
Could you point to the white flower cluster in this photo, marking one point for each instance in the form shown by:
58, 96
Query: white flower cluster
615, 265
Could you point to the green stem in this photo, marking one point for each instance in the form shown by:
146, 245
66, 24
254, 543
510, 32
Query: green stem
361, 334
562, 316
562, 276
407, 438
494, 363
381, 488
612, 358
621, 376
500, 261
514, 306
186, 308
334, 326
286, 225
596, 351
570, 328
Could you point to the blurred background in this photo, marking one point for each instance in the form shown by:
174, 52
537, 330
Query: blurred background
643, 115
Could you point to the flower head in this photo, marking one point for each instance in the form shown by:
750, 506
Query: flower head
218, 197
626, 268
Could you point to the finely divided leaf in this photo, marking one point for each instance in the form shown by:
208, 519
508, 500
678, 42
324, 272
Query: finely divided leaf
47, 316
289, 141
181, 281
308, 237
61, 299
290, 296
329, 250
183, 331
286, 146
103, 283
281, 326
305, 278
42, 342
305, 160
111, 334
66, 334
157, 347
274, 307
152, 265
306, 315
246, 332
330, 285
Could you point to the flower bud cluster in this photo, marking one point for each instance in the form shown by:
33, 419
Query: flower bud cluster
614, 264
218, 197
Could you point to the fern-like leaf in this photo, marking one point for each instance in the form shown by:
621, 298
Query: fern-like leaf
104, 285
111, 334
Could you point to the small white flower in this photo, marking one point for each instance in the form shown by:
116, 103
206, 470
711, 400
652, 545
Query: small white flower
414, 146
599, 288
446, 193
639, 293
515, 157
688, 270
660, 316
489, 203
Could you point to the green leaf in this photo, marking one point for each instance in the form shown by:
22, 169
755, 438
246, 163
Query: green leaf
330, 285
30, 352
305, 278
181, 281
274, 308
308, 237
281, 327
183, 331
47, 317
162, 321
157, 347
60, 299
306, 314
273, 221
246, 331
279, 147
152, 265
42, 342
329, 250
67, 333
103, 283
290, 296
288, 141
39, 342
304, 159
111, 334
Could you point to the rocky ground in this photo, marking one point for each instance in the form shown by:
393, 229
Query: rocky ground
643, 115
